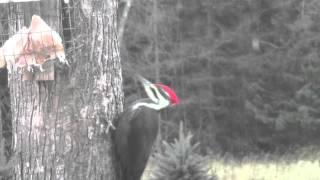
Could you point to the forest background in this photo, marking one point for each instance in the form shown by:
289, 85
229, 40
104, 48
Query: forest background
247, 71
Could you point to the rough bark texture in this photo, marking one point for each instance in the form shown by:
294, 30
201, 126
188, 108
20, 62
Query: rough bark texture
6, 136
62, 127
5, 113
6, 150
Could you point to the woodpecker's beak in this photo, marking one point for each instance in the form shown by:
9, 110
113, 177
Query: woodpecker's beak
143, 80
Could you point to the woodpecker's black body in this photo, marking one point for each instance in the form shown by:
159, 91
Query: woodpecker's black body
135, 134
137, 128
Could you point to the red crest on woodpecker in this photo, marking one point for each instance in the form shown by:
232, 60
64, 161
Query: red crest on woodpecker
174, 99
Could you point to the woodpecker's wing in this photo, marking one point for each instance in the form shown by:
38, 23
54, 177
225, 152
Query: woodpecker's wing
144, 130
134, 137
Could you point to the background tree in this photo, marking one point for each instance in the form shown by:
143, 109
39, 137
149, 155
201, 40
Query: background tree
247, 71
181, 161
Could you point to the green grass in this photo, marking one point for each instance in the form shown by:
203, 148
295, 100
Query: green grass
303, 164
255, 170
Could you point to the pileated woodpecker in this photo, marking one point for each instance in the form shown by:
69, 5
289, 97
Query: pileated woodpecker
137, 128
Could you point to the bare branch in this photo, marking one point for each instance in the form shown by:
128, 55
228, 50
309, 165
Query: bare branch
123, 20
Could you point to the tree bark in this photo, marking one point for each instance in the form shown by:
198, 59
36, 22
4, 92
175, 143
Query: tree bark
62, 127
6, 124
6, 136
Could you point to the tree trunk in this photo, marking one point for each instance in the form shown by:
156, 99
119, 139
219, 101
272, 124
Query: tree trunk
62, 127
6, 130
6, 124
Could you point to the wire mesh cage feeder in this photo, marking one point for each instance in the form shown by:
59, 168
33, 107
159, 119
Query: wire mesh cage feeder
35, 38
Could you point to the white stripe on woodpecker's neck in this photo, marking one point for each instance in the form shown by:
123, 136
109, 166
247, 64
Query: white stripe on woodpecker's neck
156, 106
147, 88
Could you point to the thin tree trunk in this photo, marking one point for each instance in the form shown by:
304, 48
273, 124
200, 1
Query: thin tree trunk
157, 64
123, 20
63, 126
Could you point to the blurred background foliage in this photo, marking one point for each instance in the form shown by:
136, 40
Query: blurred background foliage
247, 71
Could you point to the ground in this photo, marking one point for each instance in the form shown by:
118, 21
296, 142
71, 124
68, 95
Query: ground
301, 165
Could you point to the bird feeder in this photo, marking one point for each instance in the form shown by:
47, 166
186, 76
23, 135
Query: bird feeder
34, 50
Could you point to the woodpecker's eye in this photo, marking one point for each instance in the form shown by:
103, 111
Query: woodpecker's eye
164, 93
